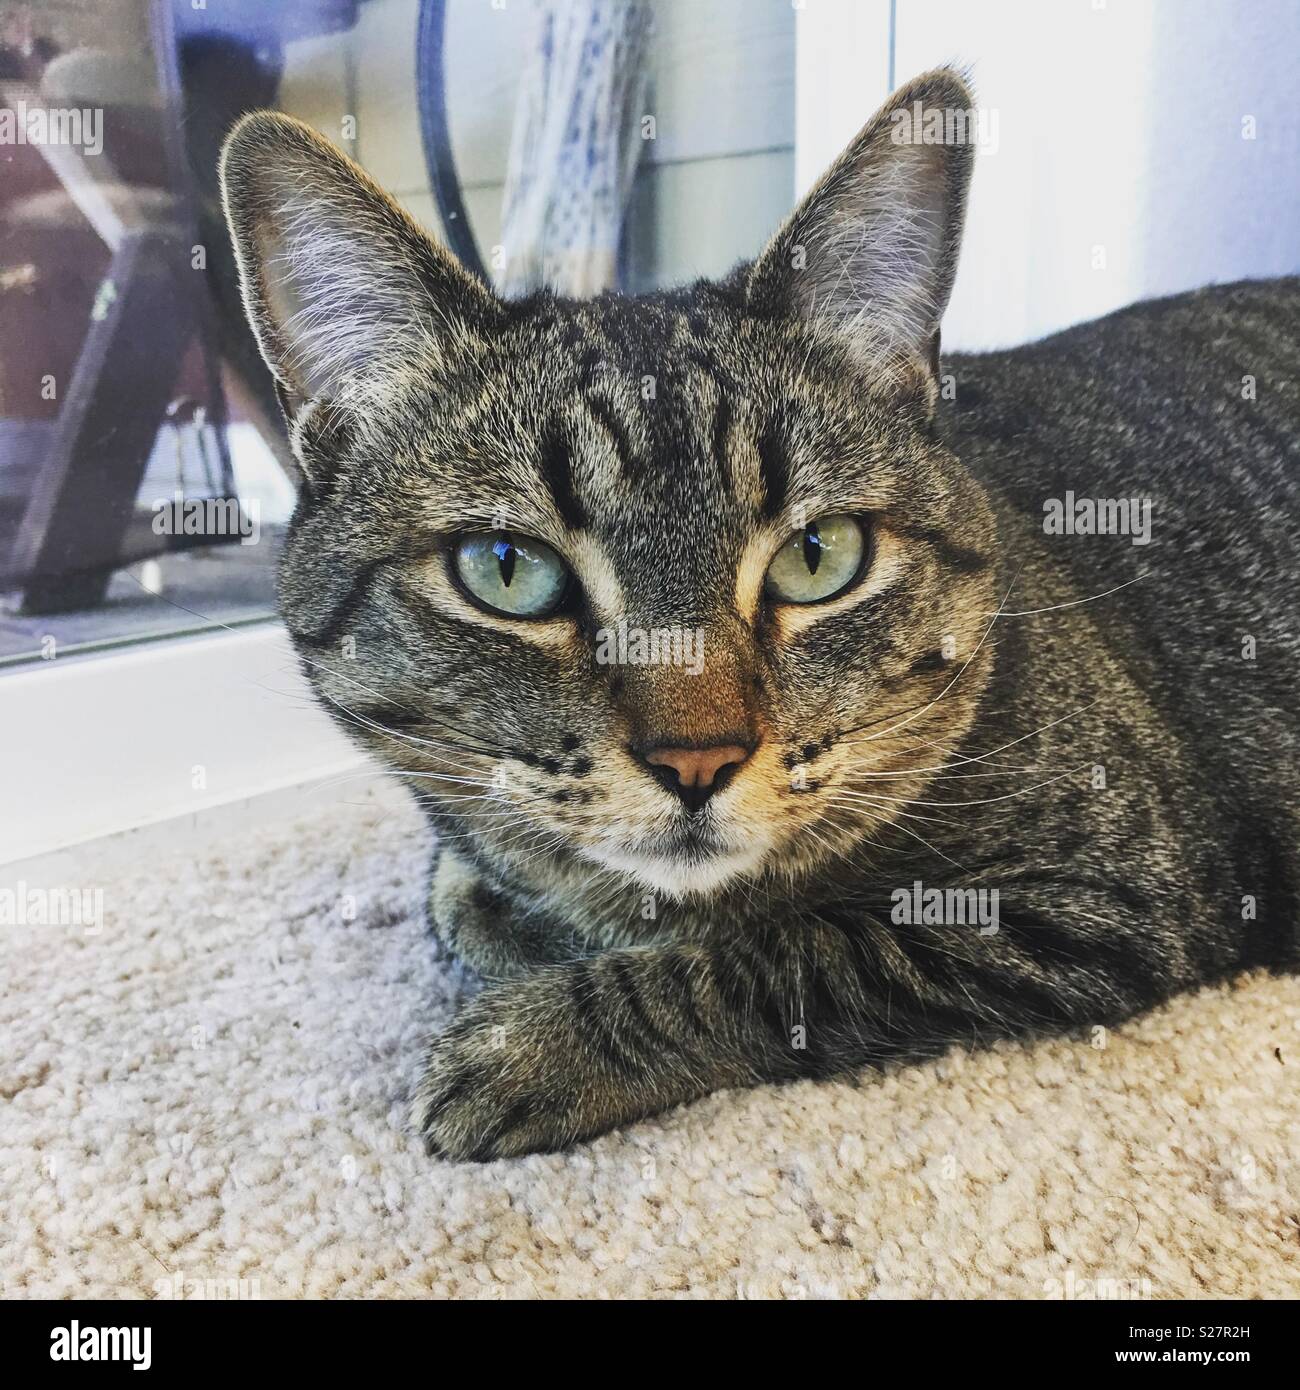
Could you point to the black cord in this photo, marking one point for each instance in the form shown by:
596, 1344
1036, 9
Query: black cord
435, 135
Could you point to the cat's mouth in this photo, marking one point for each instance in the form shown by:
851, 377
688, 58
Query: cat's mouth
692, 860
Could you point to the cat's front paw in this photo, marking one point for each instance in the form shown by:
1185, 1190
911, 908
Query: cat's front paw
508, 1078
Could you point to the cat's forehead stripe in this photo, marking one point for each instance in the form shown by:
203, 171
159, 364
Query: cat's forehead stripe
610, 418
773, 466
556, 464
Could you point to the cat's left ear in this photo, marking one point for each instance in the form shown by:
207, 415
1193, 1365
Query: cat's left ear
871, 252
341, 286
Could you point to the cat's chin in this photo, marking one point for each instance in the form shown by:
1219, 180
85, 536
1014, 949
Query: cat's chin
682, 875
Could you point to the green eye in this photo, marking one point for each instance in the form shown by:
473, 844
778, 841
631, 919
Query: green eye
515, 575
818, 562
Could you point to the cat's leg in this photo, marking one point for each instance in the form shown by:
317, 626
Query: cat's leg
487, 930
574, 1050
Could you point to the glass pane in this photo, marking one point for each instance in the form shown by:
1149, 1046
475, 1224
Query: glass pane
139, 488
145, 482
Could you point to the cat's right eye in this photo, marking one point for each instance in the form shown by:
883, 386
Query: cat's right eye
517, 576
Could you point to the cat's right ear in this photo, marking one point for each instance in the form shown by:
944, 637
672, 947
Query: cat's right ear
340, 285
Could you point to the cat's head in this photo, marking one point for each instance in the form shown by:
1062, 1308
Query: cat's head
683, 586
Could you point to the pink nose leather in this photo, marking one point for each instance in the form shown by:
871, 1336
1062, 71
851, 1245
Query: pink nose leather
697, 767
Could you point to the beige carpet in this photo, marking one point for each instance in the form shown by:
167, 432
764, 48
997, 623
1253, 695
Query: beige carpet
211, 1090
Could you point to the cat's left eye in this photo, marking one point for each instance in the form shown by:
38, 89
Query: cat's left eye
514, 575
818, 562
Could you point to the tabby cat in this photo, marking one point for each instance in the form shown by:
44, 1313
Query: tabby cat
786, 701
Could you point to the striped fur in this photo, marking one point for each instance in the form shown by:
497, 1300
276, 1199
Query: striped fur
1067, 720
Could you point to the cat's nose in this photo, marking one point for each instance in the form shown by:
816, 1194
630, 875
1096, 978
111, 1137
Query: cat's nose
696, 773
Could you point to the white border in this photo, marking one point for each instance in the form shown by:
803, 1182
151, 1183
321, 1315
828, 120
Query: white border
101, 743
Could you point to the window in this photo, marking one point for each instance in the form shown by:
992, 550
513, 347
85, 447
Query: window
145, 483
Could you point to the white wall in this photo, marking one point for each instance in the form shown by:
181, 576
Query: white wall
843, 50
1120, 171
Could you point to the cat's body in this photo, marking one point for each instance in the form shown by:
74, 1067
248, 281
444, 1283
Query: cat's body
1194, 403
1149, 839
1072, 730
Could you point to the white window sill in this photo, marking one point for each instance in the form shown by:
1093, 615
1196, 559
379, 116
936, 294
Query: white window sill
101, 744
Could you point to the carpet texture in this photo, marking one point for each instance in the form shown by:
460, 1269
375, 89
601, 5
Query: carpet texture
211, 1090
